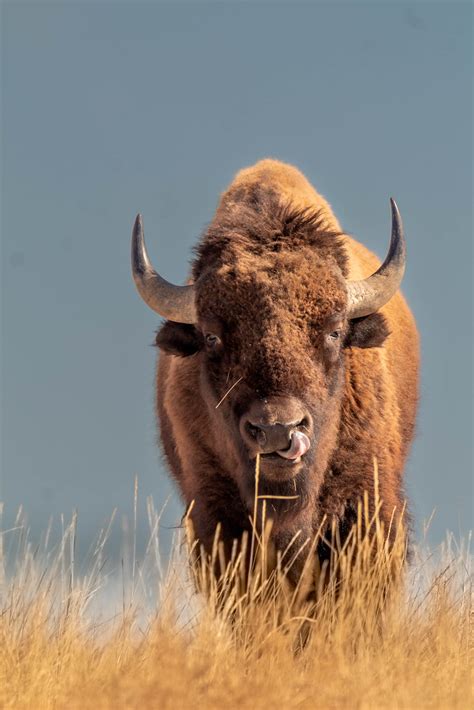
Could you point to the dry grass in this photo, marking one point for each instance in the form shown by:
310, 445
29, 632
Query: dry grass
62, 645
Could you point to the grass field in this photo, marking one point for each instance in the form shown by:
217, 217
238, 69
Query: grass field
145, 639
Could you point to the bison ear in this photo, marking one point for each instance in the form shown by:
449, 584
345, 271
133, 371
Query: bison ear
367, 332
178, 339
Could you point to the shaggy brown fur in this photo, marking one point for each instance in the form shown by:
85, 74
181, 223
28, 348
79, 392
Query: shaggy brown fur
270, 273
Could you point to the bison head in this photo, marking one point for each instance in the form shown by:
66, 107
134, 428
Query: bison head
269, 316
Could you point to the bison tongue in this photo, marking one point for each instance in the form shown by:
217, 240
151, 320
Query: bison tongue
299, 446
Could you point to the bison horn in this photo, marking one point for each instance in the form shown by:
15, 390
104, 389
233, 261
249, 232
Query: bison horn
370, 294
175, 303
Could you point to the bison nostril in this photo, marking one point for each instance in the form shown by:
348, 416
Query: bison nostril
252, 430
255, 432
303, 424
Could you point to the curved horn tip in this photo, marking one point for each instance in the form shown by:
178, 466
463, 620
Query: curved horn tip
138, 224
140, 260
397, 221
395, 210
398, 236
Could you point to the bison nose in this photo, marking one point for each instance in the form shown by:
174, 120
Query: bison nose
280, 425
285, 439
268, 437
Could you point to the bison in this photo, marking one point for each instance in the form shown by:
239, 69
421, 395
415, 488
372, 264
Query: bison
291, 343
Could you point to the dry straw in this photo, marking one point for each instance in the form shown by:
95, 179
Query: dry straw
361, 632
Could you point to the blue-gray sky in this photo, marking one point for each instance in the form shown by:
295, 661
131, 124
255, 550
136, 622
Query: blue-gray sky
113, 108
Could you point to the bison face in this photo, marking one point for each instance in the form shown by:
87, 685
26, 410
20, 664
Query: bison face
270, 345
268, 320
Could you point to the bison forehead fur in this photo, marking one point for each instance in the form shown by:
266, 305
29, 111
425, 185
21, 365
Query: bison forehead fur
272, 339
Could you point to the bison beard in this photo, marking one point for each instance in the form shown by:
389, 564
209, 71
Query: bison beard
284, 498
288, 325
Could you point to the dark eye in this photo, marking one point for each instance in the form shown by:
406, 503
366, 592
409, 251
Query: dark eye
335, 335
212, 341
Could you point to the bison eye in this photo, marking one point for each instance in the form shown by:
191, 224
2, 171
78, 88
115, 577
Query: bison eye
212, 341
335, 335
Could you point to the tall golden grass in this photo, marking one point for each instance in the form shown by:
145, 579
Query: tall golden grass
66, 641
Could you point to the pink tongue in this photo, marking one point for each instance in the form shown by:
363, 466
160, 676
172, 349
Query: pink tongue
299, 446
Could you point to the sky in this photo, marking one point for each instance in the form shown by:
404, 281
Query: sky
113, 108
